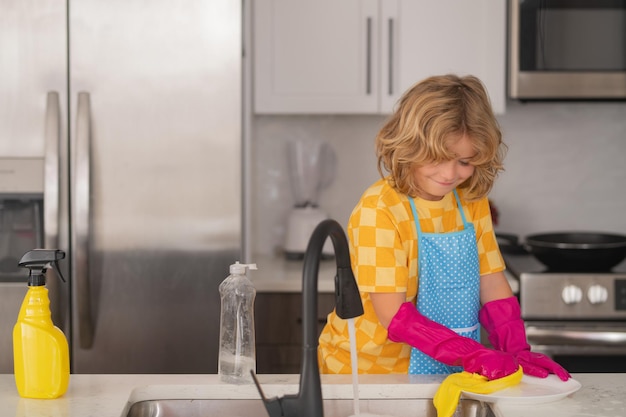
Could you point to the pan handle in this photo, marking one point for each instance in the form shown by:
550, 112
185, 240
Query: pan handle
510, 244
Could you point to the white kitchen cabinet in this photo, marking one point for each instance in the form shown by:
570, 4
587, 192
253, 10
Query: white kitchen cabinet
359, 56
445, 36
315, 56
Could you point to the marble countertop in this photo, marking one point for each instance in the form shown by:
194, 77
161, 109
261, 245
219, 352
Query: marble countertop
601, 395
278, 274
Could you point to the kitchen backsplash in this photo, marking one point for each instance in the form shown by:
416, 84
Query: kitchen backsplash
565, 168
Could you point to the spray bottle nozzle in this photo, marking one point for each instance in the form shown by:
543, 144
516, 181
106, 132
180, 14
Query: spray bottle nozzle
38, 260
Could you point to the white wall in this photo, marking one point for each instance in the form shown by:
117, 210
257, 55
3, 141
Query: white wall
565, 169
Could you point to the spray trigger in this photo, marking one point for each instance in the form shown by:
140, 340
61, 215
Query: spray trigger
38, 260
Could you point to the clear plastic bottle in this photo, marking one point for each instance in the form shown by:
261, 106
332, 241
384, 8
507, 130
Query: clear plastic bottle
40, 350
237, 355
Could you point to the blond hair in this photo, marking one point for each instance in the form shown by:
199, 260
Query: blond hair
428, 116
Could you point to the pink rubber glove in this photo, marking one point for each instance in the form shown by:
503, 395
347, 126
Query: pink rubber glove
502, 321
439, 342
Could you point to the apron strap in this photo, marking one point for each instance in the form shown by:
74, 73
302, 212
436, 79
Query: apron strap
460, 207
414, 210
418, 230
466, 329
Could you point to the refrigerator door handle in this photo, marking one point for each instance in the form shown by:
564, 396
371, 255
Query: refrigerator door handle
51, 171
81, 219
51, 193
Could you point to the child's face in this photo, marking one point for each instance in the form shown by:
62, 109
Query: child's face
438, 179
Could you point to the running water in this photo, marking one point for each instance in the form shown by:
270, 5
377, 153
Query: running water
354, 365
355, 373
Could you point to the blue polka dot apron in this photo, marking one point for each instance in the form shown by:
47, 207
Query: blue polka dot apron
449, 286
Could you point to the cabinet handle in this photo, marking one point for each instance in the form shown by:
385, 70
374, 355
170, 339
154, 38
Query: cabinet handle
320, 320
368, 57
390, 57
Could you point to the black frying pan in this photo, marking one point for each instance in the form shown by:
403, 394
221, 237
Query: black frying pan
577, 251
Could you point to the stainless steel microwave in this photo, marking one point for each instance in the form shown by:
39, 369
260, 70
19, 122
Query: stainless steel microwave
567, 49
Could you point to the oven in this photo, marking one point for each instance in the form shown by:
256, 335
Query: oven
578, 319
572, 292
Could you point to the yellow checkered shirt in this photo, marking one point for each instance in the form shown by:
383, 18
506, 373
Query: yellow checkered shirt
383, 251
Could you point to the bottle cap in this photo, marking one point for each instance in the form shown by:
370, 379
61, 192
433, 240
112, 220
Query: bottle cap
240, 269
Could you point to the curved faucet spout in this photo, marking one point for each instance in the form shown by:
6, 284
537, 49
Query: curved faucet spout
308, 401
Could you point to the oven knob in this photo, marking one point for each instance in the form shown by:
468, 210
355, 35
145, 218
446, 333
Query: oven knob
597, 294
572, 294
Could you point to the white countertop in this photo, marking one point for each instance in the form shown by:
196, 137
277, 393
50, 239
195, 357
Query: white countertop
278, 274
601, 395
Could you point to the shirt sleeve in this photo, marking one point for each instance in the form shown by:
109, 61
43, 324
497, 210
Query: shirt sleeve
379, 260
489, 256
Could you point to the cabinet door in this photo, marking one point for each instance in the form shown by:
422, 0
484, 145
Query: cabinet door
279, 332
316, 56
421, 38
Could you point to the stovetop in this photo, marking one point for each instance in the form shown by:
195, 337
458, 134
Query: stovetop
517, 264
550, 295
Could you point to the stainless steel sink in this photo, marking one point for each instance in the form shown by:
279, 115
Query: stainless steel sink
332, 408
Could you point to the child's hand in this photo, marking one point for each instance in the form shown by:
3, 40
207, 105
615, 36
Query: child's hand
539, 365
490, 363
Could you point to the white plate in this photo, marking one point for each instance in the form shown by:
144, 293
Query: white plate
530, 390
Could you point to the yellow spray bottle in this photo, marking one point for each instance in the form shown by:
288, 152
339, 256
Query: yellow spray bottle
40, 350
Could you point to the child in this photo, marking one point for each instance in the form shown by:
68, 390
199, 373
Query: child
423, 248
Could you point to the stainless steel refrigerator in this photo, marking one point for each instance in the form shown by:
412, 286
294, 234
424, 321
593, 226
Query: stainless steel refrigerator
129, 112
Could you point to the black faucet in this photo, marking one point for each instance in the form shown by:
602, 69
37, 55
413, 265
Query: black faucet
308, 401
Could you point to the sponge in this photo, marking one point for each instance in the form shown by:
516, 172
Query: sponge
447, 397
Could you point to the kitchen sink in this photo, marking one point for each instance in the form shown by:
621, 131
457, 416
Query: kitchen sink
332, 408
398, 395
